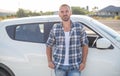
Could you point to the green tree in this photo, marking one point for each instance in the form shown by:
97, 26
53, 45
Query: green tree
48, 13
27, 13
21, 13
78, 10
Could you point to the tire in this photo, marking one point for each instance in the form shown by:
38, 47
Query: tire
4, 73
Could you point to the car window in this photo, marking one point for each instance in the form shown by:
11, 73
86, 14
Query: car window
27, 32
30, 32
92, 36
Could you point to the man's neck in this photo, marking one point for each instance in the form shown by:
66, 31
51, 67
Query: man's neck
67, 26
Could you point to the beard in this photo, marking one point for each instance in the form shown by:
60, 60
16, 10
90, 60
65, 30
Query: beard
65, 18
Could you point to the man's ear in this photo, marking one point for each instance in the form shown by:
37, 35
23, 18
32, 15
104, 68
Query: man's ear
71, 12
59, 14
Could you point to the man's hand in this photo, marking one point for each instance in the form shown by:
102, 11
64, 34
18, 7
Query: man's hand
51, 65
82, 66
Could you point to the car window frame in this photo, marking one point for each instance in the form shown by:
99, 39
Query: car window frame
13, 27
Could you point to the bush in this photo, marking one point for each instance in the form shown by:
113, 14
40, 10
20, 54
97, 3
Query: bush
117, 17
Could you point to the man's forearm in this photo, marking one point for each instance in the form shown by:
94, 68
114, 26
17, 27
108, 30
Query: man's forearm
84, 54
49, 54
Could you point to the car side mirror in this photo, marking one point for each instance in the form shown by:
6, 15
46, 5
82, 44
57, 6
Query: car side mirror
103, 43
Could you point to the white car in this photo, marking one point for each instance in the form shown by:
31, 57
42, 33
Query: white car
23, 49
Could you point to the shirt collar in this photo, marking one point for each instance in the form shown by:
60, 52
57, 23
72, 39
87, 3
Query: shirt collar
72, 25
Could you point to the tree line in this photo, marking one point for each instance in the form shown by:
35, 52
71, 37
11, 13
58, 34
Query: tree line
27, 13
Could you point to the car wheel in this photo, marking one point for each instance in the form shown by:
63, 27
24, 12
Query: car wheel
3, 73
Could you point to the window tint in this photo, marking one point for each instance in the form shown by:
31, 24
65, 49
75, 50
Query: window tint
10, 31
34, 32
30, 32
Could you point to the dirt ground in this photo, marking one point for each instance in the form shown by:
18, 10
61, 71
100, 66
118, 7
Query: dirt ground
114, 24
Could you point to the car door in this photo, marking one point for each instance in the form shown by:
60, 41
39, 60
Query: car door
29, 50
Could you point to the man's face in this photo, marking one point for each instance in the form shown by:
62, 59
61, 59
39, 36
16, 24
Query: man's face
65, 13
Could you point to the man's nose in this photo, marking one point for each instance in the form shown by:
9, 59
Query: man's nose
64, 13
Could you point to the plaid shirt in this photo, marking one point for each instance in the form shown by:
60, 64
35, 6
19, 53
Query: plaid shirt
56, 39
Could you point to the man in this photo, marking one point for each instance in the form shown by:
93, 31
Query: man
67, 45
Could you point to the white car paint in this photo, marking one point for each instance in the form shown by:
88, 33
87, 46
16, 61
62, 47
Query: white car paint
25, 58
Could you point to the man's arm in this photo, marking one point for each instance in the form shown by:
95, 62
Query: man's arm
84, 42
49, 57
84, 57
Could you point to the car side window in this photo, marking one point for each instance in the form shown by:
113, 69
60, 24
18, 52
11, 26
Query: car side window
92, 36
27, 32
30, 32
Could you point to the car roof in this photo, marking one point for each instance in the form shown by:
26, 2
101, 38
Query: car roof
37, 19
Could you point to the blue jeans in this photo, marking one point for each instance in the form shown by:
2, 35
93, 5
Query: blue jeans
66, 71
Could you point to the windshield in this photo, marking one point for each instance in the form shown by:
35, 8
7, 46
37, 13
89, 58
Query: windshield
108, 30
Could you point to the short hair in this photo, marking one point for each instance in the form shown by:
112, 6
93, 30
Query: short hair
65, 5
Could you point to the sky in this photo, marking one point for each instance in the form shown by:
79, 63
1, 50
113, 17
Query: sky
53, 5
